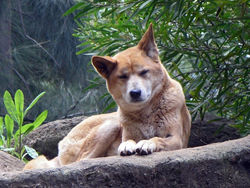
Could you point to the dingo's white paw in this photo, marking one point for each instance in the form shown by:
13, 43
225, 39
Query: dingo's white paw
145, 147
127, 148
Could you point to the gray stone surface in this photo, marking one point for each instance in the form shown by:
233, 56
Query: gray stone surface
207, 132
222, 165
8, 163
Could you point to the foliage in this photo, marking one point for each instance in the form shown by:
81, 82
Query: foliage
203, 44
16, 114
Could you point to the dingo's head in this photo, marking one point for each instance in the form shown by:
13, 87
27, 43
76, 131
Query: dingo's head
133, 76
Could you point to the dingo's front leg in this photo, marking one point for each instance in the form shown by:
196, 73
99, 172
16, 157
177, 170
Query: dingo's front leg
145, 147
96, 143
127, 148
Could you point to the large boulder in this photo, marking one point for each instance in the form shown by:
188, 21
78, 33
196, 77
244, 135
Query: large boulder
45, 138
205, 132
8, 163
222, 165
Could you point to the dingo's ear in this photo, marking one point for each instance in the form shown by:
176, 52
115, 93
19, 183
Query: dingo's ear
148, 45
104, 65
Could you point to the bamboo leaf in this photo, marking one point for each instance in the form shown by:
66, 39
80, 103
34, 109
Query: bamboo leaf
110, 106
74, 8
84, 11
145, 4
90, 87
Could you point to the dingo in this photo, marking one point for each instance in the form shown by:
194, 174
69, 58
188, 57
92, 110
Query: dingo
152, 115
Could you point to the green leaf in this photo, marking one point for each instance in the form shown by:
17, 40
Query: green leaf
25, 129
145, 3
104, 96
2, 139
9, 124
73, 8
110, 106
201, 104
10, 106
125, 8
90, 87
31, 152
16, 154
1, 125
83, 11
33, 103
7, 149
40, 119
19, 103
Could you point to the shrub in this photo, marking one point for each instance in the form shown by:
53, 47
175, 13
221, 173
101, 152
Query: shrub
203, 44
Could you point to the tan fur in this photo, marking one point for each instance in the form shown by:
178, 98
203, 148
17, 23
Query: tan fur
152, 114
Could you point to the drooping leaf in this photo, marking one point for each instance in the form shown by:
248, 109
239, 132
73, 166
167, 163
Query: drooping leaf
112, 105
31, 152
73, 8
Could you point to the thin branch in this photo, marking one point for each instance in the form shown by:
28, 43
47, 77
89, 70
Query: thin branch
22, 78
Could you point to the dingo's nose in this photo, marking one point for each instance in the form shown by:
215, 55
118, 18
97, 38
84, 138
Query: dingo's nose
135, 94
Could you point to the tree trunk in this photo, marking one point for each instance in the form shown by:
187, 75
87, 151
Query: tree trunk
6, 73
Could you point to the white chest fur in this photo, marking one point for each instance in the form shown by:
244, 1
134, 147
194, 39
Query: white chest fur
147, 131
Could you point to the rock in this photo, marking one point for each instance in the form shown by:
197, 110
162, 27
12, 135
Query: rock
45, 138
207, 132
8, 163
222, 165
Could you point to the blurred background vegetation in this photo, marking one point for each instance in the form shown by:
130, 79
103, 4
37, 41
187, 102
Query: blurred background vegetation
46, 45
38, 53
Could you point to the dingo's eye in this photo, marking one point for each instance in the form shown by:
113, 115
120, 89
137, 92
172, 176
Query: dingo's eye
123, 76
142, 73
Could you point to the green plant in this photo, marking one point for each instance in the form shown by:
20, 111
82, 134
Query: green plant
11, 138
203, 44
